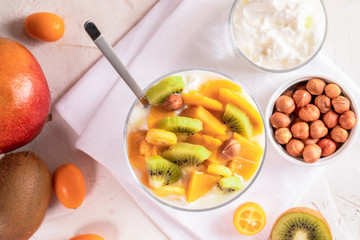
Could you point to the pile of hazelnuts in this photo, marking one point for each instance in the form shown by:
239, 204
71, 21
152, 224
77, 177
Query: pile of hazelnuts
312, 119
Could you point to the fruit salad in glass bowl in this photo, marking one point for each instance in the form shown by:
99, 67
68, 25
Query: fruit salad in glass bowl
200, 141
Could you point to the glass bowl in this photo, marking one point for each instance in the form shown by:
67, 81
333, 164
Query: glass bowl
274, 38
342, 147
137, 119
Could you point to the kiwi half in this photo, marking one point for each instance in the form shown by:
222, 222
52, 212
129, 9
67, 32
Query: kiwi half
237, 120
161, 172
230, 184
186, 154
180, 125
164, 88
301, 223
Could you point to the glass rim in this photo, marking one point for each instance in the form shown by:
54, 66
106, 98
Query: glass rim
309, 59
153, 196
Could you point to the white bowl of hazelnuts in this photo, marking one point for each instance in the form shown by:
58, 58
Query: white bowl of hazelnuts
312, 120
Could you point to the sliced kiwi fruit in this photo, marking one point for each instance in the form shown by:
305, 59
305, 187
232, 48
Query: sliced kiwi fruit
301, 223
186, 154
237, 120
181, 125
161, 172
230, 184
164, 88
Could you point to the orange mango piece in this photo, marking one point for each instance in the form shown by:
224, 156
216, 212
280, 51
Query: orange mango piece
199, 184
243, 167
169, 190
229, 96
139, 149
211, 88
157, 112
200, 100
211, 125
248, 149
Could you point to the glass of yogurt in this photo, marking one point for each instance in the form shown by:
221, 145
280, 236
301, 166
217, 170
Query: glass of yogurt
185, 166
278, 35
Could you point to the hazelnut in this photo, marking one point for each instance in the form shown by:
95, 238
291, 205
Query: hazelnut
340, 104
347, 120
288, 93
318, 129
301, 97
327, 146
229, 149
279, 119
332, 90
323, 102
295, 147
331, 119
283, 135
339, 134
310, 141
315, 86
309, 113
300, 130
173, 102
285, 104
311, 153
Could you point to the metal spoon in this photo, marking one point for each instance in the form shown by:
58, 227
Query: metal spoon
111, 56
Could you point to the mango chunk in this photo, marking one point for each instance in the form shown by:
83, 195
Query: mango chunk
160, 137
243, 167
200, 100
169, 190
248, 149
211, 88
157, 112
211, 125
199, 184
139, 149
228, 96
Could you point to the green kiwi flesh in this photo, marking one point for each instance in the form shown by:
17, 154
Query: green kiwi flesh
180, 125
300, 225
230, 184
186, 154
161, 172
237, 120
164, 88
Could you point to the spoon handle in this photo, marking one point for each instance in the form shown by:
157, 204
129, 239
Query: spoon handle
111, 56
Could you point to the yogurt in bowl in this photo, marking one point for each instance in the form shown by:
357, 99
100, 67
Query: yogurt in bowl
278, 35
198, 148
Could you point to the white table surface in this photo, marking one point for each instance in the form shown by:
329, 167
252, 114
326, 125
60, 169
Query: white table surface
108, 210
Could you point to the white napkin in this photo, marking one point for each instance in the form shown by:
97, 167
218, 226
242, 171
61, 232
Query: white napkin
175, 35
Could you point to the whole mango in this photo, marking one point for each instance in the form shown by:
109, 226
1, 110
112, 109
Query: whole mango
24, 96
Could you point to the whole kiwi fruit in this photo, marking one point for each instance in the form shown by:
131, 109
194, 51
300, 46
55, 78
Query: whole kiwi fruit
25, 190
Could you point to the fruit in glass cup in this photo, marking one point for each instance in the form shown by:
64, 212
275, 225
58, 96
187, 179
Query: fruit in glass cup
203, 153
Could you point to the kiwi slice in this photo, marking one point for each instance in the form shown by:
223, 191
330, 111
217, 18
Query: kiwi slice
237, 120
180, 125
230, 184
161, 172
300, 223
186, 154
164, 88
